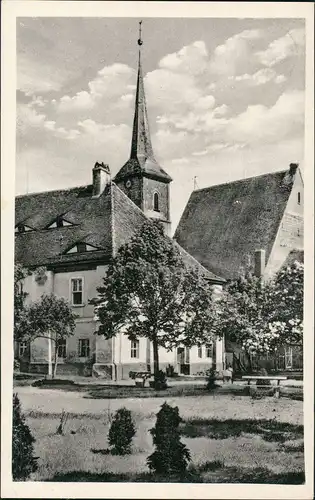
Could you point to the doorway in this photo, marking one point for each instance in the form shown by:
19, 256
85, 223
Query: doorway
183, 360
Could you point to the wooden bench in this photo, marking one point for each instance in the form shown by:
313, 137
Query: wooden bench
140, 377
266, 378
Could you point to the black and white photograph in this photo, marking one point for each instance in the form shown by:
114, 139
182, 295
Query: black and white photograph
158, 301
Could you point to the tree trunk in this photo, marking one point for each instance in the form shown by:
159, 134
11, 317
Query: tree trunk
49, 358
250, 365
56, 361
155, 356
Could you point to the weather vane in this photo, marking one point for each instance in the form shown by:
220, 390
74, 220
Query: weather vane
140, 42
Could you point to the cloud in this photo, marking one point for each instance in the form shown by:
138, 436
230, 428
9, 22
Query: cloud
35, 76
61, 131
291, 44
233, 55
261, 77
202, 133
28, 118
167, 90
110, 84
261, 124
191, 59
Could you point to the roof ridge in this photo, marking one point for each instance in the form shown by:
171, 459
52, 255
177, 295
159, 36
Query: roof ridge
52, 191
241, 180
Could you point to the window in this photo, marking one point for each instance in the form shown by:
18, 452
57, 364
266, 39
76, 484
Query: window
156, 202
199, 351
62, 348
59, 222
299, 198
134, 353
209, 351
82, 247
77, 291
20, 228
84, 348
23, 347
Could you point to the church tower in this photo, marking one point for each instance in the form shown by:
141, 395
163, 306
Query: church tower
141, 178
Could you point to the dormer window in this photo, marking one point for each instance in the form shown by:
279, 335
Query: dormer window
156, 207
82, 247
59, 222
22, 228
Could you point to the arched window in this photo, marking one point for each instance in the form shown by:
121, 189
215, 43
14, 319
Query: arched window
156, 202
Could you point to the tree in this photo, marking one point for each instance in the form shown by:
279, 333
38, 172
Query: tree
170, 456
261, 315
20, 309
23, 460
51, 317
149, 292
121, 432
286, 319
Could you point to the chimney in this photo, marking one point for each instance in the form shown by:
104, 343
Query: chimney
293, 168
260, 262
290, 174
101, 177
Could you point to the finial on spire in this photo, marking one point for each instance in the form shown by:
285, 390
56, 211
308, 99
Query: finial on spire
140, 42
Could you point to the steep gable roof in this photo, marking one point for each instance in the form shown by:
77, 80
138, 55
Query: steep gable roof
91, 219
223, 225
125, 221
106, 222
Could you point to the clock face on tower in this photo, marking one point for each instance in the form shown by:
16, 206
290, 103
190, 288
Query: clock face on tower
128, 184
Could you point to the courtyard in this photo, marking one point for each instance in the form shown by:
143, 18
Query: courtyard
231, 436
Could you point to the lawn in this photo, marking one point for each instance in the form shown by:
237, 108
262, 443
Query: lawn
231, 437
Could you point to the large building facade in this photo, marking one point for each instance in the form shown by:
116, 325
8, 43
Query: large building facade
66, 238
255, 225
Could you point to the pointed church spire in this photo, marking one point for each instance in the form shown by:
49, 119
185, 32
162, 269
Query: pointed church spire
141, 161
141, 146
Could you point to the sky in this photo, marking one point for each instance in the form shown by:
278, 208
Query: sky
225, 98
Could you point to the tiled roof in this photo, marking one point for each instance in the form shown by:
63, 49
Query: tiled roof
223, 225
93, 219
106, 222
142, 166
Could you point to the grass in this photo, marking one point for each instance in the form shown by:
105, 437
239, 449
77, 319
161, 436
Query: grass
205, 474
219, 454
270, 430
225, 445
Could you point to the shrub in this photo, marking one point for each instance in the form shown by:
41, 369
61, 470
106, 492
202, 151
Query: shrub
170, 371
16, 366
23, 461
170, 456
160, 381
211, 379
121, 432
88, 366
